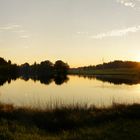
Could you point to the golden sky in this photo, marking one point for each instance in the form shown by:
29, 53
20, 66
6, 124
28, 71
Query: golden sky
80, 32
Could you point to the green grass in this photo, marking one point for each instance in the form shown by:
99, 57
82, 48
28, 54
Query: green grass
119, 71
117, 122
115, 76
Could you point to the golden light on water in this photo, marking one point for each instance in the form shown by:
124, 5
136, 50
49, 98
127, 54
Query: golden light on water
76, 90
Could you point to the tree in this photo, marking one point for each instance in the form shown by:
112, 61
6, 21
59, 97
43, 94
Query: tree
9, 62
3, 61
25, 68
60, 67
45, 68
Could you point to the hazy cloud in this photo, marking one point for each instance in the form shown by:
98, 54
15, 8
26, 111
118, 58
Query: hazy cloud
117, 33
25, 36
15, 28
129, 3
9, 27
26, 47
20, 31
82, 33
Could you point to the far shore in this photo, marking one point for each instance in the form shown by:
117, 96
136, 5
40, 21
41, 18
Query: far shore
117, 71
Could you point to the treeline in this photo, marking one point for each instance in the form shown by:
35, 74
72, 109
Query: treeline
8, 71
7, 68
45, 68
112, 65
45, 71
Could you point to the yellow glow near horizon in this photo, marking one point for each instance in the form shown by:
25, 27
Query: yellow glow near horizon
80, 33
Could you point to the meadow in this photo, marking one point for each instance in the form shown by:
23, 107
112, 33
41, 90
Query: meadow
110, 71
119, 121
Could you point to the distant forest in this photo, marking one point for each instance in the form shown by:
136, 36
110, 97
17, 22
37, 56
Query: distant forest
47, 72
111, 65
43, 68
47, 68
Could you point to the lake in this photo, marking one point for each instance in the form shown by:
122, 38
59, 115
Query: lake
96, 90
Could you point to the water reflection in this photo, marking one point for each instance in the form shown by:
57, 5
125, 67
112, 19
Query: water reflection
30, 91
120, 79
4, 79
115, 79
59, 80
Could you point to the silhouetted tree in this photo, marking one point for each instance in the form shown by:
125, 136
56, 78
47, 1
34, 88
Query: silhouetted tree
9, 62
3, 61
60, 67
25, 69
45, 68
45, 72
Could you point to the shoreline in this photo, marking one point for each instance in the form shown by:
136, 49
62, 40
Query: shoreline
70, 122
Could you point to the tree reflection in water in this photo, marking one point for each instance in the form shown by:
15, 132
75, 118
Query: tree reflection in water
60, 79
115, 79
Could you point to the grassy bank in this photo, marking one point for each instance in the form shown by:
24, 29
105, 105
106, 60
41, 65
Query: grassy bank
70, 123
119, 71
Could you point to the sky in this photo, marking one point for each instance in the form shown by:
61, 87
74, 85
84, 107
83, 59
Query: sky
79, 32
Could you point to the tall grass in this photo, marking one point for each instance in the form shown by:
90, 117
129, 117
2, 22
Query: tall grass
68, 122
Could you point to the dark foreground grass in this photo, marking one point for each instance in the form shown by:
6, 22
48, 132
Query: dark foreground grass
117, 122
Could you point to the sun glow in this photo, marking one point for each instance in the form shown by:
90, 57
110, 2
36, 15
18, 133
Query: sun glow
137, 58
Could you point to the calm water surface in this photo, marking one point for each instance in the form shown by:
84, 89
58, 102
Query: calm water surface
75, 90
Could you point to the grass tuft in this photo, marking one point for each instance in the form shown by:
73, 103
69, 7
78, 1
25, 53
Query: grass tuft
77, 121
